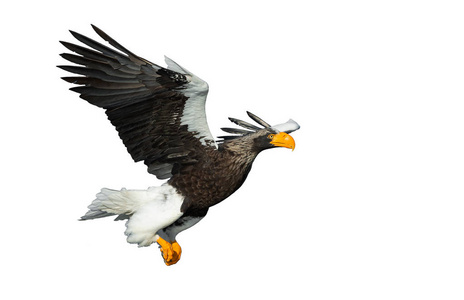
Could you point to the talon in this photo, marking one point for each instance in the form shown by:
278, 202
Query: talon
169, 252
177, 251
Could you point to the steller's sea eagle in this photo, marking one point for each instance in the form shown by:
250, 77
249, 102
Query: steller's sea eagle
159, 114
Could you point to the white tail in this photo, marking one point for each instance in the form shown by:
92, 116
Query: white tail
147, 210
112, 202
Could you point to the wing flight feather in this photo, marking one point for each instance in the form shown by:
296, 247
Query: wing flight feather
158, 112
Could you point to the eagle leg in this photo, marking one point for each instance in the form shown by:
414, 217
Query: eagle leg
169, 251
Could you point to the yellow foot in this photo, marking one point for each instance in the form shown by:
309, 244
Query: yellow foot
170, 252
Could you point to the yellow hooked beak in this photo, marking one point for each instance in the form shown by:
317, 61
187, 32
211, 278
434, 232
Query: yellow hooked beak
283, 139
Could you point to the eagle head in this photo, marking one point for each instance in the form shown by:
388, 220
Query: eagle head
263, 138
270, 138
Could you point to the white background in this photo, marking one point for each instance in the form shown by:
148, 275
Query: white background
368, 206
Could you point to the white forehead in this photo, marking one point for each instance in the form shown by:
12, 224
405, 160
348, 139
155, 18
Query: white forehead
287, 127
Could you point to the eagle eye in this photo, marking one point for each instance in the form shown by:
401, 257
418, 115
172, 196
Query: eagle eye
271, 136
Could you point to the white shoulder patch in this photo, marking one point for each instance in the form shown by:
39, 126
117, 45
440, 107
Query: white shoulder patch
287, 127
194, 114
172, 65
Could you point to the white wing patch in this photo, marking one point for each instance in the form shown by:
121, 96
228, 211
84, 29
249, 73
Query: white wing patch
194, 114
287, 127
172, 65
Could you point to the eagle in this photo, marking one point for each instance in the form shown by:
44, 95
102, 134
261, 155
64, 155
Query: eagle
160, 116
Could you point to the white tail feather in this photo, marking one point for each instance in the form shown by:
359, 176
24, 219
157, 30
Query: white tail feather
113, 202
149, 210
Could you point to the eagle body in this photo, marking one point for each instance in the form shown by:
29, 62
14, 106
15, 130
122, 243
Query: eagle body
160, 116
221, 174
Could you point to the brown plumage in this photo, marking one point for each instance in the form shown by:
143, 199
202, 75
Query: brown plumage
159, 115
218, 175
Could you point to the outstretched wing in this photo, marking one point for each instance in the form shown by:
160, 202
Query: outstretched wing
158, 112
